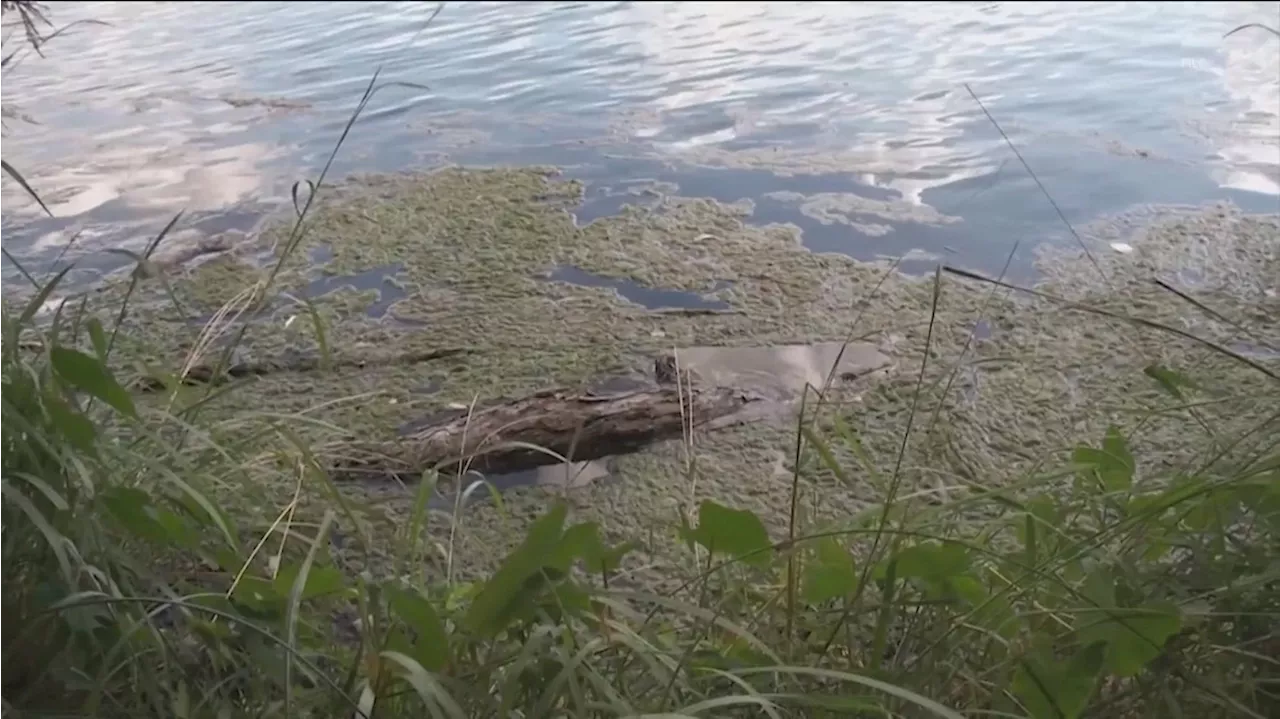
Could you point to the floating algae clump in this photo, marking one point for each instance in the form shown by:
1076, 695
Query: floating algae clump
474, 246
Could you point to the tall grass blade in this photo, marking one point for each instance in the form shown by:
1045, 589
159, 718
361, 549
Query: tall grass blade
906, 695
11, 171
295, 601
1044, 190
1225, 351
437, 701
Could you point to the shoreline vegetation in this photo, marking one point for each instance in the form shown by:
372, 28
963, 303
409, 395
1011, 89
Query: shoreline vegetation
872, 495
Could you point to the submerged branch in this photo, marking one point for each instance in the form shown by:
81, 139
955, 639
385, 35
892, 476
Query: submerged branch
205, 374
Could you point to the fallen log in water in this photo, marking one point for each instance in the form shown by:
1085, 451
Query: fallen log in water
208, 374
517, 434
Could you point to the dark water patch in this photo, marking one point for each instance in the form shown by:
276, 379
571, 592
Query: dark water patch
607, 201
651, 298
918, 246
379, 279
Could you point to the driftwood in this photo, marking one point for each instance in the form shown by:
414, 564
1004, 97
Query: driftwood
207, 374
511, 436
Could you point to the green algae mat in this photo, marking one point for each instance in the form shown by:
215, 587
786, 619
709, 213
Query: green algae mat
410, 294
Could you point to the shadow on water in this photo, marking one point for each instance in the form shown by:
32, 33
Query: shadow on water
379, 279
651, 298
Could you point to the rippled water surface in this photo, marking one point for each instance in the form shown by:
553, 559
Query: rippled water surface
851, 120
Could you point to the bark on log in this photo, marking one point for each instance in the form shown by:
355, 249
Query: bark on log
504, 437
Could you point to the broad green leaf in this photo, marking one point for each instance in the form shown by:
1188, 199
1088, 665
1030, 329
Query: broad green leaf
829, 573
259, 595
1208, 512
1133, 636
567, 599
606, 560
509, 586
735, 532
995, 613
942, 566
1123, 466
135, 511
1113, 465
968, 588
1050, 689
578, 541
1099, 587
89, 375
77, 428
582, 541
1036, 530
416, 611
1172, 382
933, 561
1262, 497
321, 580
98, 337
1155, 506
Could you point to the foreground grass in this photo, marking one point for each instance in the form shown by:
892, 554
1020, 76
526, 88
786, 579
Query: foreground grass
1094, 587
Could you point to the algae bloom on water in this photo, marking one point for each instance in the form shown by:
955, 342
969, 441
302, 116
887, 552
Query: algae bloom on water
460, 259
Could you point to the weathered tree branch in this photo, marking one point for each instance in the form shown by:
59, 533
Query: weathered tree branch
206, 374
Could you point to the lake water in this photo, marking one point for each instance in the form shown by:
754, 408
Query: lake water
219, 108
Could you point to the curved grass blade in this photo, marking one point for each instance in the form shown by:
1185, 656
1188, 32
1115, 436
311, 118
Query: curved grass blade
295, 601
433, 695
891, 689
1152, 324
17, 176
